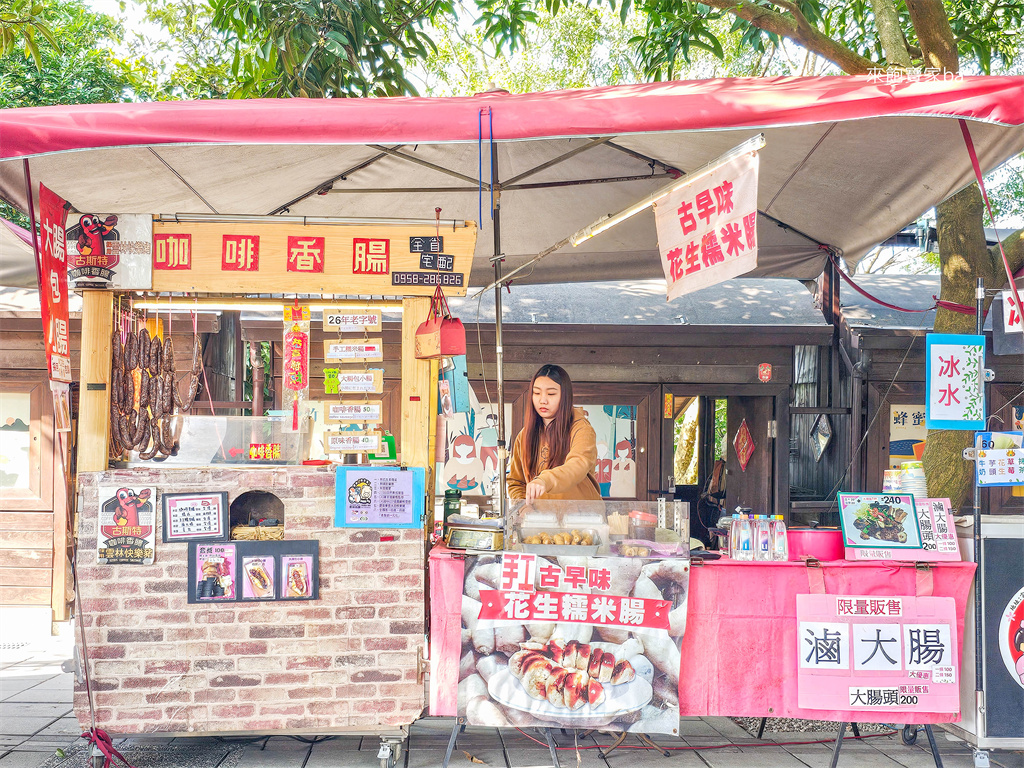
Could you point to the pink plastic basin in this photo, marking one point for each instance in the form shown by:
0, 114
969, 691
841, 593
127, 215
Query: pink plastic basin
820, 543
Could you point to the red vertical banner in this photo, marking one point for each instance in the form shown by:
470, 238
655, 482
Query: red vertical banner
53, 284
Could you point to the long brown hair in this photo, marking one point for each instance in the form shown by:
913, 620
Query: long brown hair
557, 434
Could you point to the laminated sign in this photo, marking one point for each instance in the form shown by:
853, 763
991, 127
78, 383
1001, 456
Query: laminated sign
861, 654
707, 230
573, 646
954, 381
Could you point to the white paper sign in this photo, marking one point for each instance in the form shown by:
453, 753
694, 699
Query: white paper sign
707, 231
352, 442
110, 250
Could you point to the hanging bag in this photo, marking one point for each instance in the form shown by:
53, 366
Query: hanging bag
440, 335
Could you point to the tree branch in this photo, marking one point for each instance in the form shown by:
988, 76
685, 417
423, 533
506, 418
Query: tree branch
890, 33
803, 33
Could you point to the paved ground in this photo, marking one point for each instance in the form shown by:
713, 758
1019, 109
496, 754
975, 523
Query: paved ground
36, 722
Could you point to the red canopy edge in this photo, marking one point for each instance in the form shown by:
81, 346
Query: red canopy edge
656, 107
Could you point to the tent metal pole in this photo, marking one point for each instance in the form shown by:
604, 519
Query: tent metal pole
979, 594
499, 354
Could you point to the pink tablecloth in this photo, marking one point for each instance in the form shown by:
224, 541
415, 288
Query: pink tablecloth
738, 653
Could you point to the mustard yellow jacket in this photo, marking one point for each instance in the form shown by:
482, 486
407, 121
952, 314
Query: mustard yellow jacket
574, 479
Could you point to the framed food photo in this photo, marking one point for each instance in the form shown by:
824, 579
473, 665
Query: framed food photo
879, 521
259, 577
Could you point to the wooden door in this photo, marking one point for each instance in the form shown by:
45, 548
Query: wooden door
27, 485
750, 487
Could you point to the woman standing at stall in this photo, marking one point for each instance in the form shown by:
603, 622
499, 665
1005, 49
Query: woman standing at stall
555, 454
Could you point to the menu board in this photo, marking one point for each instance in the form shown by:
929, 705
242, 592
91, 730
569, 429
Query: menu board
999, 458
242, 571
381, 497
195, 516
938, 537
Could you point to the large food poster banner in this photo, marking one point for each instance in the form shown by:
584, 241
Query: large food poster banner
110, 250
954, 382
877, 653
572, 642
127, 526
707, 230
53, 288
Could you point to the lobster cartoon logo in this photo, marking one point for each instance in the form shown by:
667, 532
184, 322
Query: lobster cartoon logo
127, 529
1011, 637
90, 254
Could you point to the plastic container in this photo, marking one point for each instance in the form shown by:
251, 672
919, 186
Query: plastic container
452, 503
823, 544
642, 525
780, 540
724, 524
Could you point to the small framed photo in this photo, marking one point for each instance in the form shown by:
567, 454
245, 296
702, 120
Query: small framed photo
879, 521
195, 517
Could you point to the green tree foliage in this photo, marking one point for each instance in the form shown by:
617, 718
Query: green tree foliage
189, 59
580, 47
81, 69
324, 48
23, 22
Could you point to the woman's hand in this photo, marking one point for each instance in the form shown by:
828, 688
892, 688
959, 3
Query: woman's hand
534, 490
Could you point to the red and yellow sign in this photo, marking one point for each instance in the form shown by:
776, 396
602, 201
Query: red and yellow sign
238, 257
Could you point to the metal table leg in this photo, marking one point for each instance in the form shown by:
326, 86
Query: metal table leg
459, 727
553, 748
934, 746
839, 744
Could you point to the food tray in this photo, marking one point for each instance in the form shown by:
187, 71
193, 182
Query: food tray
559, 549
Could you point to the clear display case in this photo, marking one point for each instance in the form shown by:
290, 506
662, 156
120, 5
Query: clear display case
588, 528
237, 441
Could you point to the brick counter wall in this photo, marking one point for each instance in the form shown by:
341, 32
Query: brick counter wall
345, 661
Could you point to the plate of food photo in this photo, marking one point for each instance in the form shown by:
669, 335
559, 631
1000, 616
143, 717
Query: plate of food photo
586, 684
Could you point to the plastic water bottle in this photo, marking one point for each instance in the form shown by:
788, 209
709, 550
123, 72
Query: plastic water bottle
744, 539
762, 538
734, 533
780, 540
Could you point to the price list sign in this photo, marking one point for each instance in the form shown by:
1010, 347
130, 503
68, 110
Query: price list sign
195, 517
999, 458
354, 412
382, 497
884, 654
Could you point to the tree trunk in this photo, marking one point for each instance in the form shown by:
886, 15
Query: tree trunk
965, 257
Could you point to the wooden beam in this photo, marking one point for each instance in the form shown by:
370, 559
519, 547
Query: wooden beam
416, 391
94, 397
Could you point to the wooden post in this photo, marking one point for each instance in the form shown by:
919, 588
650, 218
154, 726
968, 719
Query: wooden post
417, 420
94, 395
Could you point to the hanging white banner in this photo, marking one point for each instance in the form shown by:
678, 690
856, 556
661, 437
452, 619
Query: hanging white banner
707, 230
